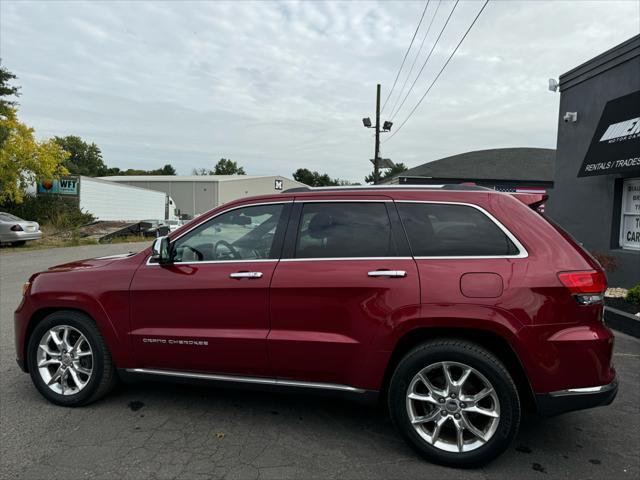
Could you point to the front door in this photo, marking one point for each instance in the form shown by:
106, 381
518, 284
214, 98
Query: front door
208, 310
348, 277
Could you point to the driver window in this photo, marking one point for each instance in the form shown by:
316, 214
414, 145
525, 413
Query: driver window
241, 234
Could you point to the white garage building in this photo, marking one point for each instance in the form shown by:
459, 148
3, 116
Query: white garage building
197, 194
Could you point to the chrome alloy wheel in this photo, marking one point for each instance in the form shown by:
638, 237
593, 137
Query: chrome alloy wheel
64, 360
453, 407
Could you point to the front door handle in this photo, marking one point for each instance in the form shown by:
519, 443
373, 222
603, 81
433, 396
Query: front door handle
388, 273
246, 275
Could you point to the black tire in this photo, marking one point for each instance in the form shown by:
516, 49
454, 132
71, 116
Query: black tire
103, 377
18, 243
480, 359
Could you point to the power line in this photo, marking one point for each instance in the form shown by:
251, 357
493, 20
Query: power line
393, 115
416, 58
405, 55
440, 72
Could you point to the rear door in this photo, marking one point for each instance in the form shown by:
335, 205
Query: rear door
346, 274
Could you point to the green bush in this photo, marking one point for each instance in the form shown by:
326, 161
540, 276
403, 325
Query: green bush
633, 295
59, 212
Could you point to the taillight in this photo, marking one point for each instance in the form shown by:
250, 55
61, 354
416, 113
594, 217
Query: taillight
584, 281
587, 286
16, 228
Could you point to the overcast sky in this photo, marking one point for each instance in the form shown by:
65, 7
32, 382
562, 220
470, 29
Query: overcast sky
282, 85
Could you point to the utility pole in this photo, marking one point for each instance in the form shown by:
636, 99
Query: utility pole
378, 162
376, 156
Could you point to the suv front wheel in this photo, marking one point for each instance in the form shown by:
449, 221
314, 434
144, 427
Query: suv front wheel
454, 402
69, 361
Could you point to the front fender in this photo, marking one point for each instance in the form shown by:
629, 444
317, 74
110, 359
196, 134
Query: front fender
114, 338
84, 291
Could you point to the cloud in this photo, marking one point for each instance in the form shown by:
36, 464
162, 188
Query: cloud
282, 85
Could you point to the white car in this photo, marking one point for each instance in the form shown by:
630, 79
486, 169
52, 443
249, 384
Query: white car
17, 231
173, 224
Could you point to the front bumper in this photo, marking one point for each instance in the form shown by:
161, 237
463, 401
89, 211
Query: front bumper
22, 364
554, 403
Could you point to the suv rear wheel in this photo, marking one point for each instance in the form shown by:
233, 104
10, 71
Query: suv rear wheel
69, 362
454, 402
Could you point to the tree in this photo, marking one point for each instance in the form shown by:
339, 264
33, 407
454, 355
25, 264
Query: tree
315, 179
84, 158
226, 166
390, 172
24, 160
6, 106
7, 90
166, 170
201, 171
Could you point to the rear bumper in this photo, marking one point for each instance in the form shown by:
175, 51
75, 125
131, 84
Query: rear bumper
566, 357
20, 236
562, 401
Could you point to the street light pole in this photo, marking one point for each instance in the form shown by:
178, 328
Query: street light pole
376, 156
378, 162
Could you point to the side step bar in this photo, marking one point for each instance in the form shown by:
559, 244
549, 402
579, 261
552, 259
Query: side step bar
240, 379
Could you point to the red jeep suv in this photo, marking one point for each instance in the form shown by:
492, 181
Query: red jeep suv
456, 305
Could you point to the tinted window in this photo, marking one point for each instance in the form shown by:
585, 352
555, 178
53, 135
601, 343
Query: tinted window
241, 234
334, 230
437, 230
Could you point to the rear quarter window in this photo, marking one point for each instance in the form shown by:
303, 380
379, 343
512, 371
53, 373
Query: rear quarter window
445, 230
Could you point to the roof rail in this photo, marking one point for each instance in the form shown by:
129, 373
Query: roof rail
449, 186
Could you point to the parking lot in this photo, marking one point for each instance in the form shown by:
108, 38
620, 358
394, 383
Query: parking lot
165, 431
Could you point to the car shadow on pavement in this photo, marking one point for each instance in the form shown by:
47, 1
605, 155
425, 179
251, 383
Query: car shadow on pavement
329, 415
148, 429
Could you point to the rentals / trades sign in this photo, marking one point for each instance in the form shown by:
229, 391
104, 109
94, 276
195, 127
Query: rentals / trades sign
615, 146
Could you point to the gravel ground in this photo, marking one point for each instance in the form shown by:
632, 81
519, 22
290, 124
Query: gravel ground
165, 431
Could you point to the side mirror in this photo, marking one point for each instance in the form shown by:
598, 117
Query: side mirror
161, 250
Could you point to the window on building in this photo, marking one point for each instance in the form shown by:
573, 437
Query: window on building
630, 221
443, 230
339, 230
241, 234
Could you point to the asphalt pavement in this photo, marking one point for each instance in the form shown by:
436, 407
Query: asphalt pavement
166, 431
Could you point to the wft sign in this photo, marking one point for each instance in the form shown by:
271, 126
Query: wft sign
62, 186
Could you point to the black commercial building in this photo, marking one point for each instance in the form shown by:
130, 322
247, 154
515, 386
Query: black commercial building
597, 170
503, 169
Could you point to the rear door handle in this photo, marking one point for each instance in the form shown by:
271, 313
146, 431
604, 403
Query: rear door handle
388, 273
246, 275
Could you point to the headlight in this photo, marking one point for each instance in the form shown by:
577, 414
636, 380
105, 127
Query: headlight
25, 288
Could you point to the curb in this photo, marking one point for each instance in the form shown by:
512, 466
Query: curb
622, 321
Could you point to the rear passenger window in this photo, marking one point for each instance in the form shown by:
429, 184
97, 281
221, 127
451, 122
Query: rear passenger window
338, 230
442, 230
